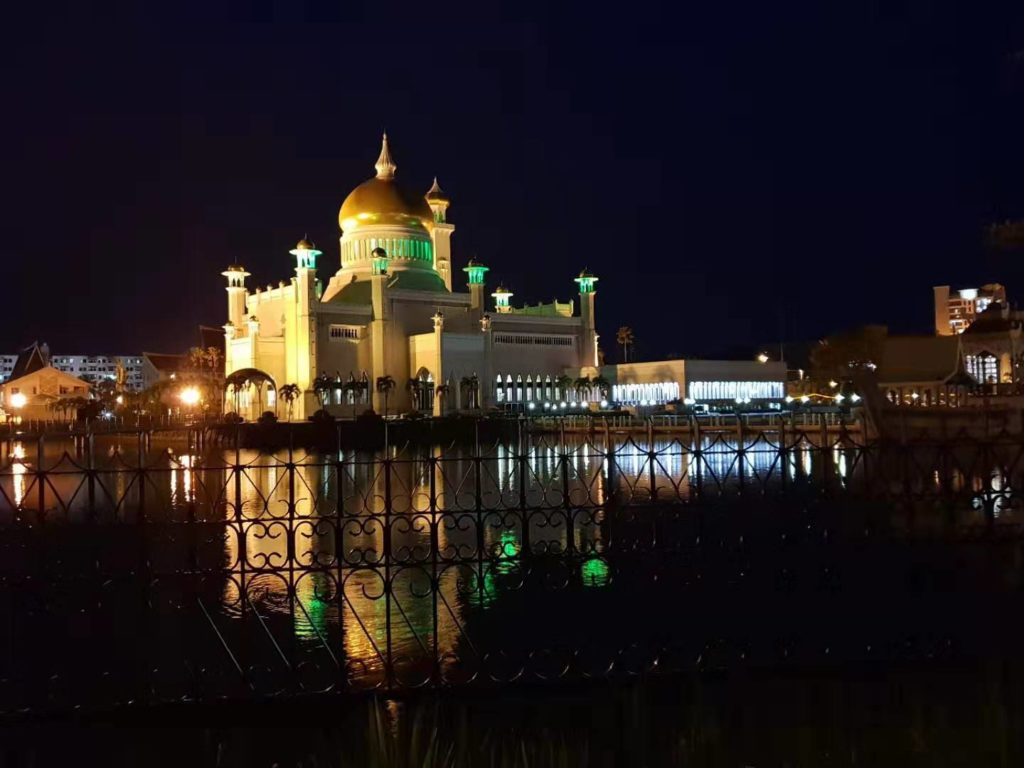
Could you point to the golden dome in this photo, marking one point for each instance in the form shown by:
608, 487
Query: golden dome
380, 201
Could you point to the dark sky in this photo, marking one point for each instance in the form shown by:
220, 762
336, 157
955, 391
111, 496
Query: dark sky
720, 166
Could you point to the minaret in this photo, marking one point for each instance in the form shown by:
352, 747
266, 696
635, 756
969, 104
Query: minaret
379, 323
236, 275
475, 273
588, 322
301, 352
441, 235
501, 296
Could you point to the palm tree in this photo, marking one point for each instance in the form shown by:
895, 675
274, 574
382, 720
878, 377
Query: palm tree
385, 385
414, 387
602, 385
582, 387
351, 388
563, 383
196, 358
216, 360
289, 393
470, 386
442, 391
624, 337
322, 388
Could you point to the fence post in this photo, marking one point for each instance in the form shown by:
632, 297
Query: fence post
388, 501
90, 447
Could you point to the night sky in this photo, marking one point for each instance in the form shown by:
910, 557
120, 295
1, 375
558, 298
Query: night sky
731, 171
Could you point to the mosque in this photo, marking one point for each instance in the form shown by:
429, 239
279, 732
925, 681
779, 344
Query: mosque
390, 312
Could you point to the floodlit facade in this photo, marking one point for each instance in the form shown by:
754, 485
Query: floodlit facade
393, 309
706, 382
956, 310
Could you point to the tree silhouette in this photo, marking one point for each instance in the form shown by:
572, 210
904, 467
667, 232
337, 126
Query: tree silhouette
385, 385
625, 339
289, 393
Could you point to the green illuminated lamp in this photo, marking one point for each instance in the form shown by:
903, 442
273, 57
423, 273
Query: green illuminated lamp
476, 272
305, 252
501, 297
586, 281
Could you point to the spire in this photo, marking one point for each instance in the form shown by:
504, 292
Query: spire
385, 165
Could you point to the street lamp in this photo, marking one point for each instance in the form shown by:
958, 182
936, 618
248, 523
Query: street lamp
189, 396
18, 400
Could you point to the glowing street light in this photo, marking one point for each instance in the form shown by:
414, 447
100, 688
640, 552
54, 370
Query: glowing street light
805, 399
763, 357
840, 398
18, 400
189, 396
855, 398
119, 399
789, 398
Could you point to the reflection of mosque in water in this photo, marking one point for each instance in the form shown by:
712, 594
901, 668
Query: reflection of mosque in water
416, 549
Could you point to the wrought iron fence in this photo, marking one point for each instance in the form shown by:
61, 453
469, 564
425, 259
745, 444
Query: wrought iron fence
137, 568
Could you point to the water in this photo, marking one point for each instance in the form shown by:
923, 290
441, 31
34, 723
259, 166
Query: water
239, 573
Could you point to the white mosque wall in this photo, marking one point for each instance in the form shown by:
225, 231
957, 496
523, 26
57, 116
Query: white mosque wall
462, 355
423, 354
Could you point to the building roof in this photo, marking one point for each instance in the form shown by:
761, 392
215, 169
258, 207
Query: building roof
919, 359
359, 291
167, 363
30, 360
995, 319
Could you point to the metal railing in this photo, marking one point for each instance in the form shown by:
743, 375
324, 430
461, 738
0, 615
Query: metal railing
136, 569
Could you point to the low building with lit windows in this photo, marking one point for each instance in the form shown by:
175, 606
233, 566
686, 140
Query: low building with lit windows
712, 383
993, 346
391, 315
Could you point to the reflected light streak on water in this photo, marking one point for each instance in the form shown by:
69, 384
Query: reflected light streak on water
18, 469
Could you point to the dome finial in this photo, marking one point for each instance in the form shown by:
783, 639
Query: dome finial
385, 165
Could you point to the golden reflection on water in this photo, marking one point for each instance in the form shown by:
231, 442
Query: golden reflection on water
18, 470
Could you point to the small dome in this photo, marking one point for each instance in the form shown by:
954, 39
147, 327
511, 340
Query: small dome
304, 245
436, 195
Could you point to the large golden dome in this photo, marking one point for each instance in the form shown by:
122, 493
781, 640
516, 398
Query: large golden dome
380, 201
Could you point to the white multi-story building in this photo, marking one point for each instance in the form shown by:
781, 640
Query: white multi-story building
956, 310
89, 367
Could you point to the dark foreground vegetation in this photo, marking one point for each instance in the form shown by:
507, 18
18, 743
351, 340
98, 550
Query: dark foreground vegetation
922, 715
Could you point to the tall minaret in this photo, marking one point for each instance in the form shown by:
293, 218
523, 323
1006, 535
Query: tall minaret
475, 272
236, 275
301, 353
588, 322
442, 232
